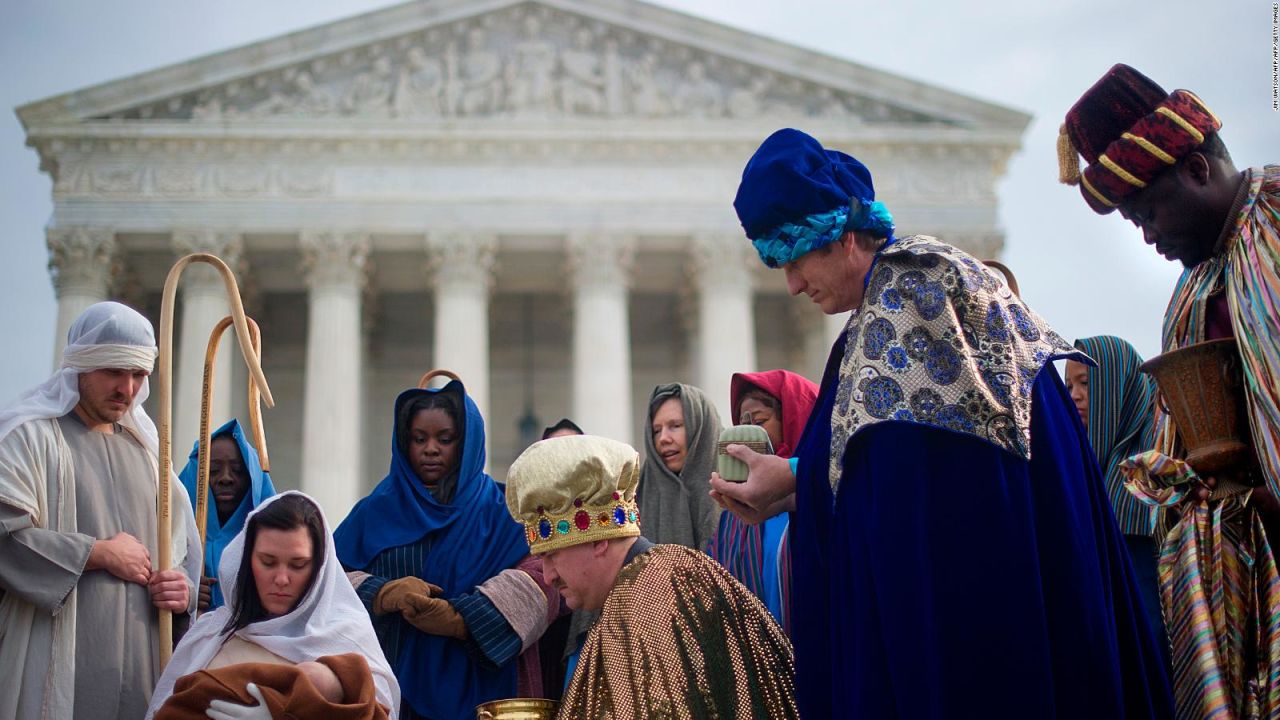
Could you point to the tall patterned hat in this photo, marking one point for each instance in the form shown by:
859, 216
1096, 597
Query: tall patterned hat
572, 490
796, 196
1129, 130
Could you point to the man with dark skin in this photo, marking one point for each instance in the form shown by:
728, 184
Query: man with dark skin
227, 476
1182, 212
229, 481
1158, 159
238, 483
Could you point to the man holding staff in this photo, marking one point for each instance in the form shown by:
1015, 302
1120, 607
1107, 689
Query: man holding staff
78, 622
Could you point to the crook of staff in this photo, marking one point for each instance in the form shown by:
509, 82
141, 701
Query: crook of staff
164, 377
205, 451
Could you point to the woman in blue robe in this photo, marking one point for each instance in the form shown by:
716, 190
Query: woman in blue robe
237, 485
434, 530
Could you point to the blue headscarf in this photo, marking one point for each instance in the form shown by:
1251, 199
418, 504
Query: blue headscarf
474, 538
796, 196
218, 535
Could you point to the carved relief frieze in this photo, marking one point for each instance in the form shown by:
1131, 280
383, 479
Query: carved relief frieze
527, 61
189, 180
116, 179
177, 180
69, 179
242, 180
282, 168
306, 181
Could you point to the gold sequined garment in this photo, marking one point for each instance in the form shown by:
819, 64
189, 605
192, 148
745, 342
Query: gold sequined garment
680, 638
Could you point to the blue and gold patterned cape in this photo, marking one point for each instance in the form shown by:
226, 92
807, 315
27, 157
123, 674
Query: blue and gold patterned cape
970, 558
941, 340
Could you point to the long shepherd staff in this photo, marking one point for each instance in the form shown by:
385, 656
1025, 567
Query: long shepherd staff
164, 376
206, 399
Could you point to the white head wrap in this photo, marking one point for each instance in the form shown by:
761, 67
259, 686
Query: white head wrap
107, 335
329, 620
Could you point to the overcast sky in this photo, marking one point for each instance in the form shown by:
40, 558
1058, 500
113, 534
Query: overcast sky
1084, 273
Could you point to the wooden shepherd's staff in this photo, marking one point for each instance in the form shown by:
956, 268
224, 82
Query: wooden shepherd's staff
164, 377
206, 399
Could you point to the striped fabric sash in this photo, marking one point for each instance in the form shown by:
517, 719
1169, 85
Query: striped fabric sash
1221, 598
1220, 593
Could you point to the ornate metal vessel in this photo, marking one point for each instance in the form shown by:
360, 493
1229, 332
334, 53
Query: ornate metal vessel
517, 709
1202, 388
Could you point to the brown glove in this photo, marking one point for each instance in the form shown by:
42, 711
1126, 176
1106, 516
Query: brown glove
391, 597
434, 616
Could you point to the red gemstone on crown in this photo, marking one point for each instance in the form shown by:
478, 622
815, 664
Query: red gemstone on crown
582, 520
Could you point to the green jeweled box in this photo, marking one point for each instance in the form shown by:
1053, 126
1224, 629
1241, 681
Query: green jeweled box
753, 436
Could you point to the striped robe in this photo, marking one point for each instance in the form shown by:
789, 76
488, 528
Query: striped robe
1219, 582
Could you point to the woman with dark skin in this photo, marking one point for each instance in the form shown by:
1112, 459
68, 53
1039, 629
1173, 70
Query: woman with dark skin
438, 562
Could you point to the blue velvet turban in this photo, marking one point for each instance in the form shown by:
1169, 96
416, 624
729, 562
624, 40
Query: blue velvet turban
796, 196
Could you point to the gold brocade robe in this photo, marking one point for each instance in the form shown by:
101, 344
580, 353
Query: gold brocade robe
678, 637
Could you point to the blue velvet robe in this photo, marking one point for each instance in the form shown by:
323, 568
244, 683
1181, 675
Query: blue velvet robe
950, 578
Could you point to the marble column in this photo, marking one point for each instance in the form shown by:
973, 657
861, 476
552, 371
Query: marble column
335, 266
600, 269
461, 265
203, 303
80, 261
726, 339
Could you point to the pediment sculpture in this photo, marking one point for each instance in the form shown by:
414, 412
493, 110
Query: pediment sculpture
529, 61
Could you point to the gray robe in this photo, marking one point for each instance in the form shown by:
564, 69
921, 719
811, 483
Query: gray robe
116, 628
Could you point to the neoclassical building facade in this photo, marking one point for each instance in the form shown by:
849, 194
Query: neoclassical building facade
536, 194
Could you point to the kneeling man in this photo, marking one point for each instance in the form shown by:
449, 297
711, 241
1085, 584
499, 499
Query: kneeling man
678, 637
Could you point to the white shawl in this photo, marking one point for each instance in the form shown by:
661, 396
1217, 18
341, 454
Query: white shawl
37, 475
329, 620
